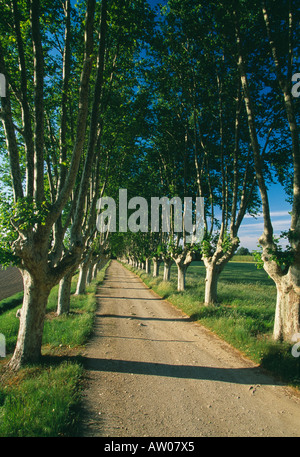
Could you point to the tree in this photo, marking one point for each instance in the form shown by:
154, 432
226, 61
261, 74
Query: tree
203, 126
243, 251
41, 205
282, 266
59, 157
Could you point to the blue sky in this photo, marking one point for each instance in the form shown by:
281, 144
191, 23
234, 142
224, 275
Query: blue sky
252, 228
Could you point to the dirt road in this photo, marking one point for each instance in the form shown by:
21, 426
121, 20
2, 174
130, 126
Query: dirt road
154, 373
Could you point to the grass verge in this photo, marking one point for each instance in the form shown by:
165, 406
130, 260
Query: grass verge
43, 400
244, 316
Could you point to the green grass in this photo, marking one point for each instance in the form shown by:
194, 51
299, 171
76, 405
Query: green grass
242, 258
11, 302
244, 316
43, 404
43, 400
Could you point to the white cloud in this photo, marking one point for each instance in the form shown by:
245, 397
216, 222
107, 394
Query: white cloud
277, 225
273, 214
250, 231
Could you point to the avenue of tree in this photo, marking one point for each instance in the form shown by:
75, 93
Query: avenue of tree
189, 99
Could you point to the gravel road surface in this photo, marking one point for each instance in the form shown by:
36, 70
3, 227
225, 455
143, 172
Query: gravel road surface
151, 372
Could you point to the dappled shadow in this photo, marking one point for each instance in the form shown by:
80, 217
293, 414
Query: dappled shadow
231, 375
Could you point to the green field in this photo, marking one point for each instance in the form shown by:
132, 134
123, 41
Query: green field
244, 316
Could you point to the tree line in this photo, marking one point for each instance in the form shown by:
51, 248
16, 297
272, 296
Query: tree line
187, 99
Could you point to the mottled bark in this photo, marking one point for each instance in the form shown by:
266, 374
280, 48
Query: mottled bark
167, 269
64, 294
81, 283
32, 316
156, 263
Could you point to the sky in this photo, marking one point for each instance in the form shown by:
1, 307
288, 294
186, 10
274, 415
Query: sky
252, 228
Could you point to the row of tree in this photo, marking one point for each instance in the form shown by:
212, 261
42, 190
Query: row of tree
194, 99
224, 122
70, 72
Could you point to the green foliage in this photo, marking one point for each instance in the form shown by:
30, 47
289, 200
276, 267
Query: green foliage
21, 216
227, 243
243, 251
258, 258
27, 213
208, 246
7, 233
282, 256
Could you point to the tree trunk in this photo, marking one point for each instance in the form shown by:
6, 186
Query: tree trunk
214, 265
81, 283
287, 322
211, 284
95, 270
287, 311
156, 263
147, 266
89, 276
182, 261
29, 343
64, 292
167, 269
181, 271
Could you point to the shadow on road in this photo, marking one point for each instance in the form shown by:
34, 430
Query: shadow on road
132, 317
245, 376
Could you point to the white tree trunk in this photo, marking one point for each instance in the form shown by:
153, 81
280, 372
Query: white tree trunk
181, 271
182, 261
64, 292
167, 269
156, 263
147, 266
29, 343
89, 276
287, 312
214, 266
81, 283
95, 270
211, 285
